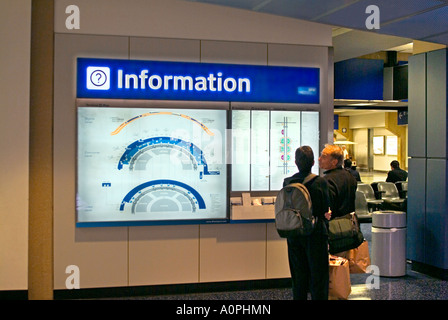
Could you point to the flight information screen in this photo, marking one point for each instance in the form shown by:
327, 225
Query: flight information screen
264, 144
147, 165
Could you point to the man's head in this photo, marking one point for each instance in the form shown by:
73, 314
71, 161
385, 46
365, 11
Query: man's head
395, 164
304, 158
347, 163
331, 157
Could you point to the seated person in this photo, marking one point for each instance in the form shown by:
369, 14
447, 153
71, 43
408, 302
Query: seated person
349, 168
396, 173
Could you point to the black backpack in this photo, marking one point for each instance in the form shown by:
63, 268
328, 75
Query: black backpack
293, 210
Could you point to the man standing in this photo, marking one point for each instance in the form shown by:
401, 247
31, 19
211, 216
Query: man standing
396, 173
341, 184
348, 166
308, 255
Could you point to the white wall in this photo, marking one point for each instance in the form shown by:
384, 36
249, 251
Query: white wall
382, 162
188, 20
15, 37
361, 148
371, 120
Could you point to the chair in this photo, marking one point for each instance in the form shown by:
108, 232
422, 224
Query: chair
402, 187
391, 196
374, 186
362, 208
373, 202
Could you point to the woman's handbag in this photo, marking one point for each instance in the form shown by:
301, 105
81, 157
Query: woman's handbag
344, 233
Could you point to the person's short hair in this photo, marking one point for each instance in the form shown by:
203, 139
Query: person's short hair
335, 152
304, 158
395, 164
347, 163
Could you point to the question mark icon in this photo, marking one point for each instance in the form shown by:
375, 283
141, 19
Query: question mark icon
100, 79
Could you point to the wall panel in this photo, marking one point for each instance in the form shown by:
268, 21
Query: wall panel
436, 219
231, 252
100, 253
15, 41
416, 209
163, 255
436, 107
164, 49
277, 263
417, 105
234, 52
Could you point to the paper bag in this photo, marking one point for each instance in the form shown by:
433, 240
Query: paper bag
358, 258
339, 287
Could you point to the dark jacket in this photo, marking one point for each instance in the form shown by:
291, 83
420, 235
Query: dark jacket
318, 189
354, 173
342, 190
396, 175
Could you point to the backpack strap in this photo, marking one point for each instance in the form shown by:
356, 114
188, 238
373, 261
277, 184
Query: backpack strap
288, 197
309, 177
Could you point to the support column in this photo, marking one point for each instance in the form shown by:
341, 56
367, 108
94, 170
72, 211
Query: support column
40, 254
428, 166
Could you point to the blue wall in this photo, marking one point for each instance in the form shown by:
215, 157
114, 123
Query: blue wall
359, 79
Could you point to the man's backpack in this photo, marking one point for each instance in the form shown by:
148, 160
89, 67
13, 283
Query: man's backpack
293, 210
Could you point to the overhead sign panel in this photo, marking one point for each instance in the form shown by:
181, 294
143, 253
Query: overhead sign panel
162, 80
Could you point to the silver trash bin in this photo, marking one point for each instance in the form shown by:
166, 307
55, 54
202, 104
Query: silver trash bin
389, 242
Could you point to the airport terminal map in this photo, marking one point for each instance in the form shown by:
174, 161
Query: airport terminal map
147, 164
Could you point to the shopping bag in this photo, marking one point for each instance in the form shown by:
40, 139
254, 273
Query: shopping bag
358, 258
339, 287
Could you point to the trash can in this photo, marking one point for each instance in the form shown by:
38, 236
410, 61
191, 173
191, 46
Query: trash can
389, 242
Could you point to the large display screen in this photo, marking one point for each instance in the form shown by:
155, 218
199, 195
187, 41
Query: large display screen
150, 166
264, 144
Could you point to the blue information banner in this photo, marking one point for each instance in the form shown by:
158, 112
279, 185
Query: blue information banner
161, 80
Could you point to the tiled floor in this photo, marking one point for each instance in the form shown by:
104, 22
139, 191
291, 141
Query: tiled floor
369, 177
413, 286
